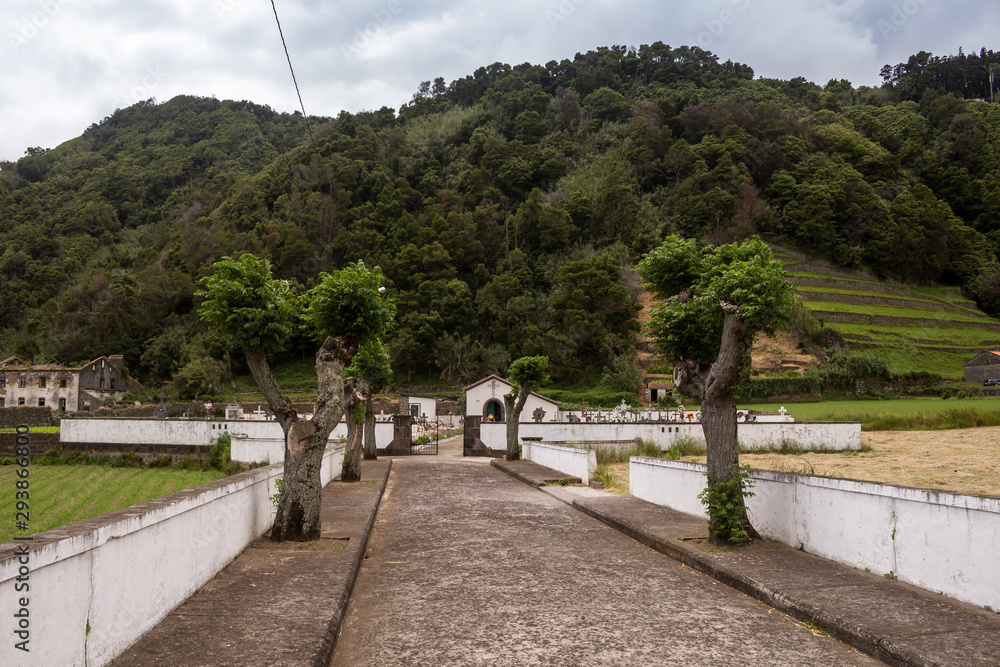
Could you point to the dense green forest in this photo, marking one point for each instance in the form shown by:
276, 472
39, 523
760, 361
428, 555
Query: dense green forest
507, 208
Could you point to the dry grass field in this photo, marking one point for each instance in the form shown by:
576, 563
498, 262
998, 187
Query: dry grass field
960, 460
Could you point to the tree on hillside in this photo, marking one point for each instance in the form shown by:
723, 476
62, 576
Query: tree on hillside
525, 373
714, 302
257, 313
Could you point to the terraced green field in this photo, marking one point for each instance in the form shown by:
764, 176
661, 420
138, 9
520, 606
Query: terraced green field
920, 328
805, 290
894, 311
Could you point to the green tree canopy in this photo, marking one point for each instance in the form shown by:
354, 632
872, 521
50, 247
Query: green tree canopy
247, 306
533, 371
349, 303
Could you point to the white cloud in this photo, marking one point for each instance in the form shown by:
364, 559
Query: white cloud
69, 63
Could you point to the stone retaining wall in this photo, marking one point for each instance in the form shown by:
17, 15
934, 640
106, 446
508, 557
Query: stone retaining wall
22, 415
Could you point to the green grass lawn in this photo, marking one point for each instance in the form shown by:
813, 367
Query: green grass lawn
292, 376
34, 429
904, 358
901, 414
64, 494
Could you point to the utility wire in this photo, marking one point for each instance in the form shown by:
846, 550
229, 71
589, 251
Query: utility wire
312, 139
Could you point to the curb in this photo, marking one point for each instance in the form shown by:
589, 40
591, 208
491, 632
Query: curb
509, 469
851, 634
325, 650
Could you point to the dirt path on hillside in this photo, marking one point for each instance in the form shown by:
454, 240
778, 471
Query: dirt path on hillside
960, 460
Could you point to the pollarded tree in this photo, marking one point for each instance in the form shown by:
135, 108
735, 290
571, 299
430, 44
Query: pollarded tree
257, 313
525, 374
371, 371
714, 302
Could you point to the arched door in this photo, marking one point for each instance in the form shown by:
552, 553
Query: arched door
494, 409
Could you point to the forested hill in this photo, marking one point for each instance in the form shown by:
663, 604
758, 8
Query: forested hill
507, 208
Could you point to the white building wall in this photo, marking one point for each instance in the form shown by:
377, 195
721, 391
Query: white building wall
477, 398
942, 542
127, 573
272, 450
428, 406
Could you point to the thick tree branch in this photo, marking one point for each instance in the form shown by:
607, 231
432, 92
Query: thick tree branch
276, 399
737, 340
689, 377
331, 359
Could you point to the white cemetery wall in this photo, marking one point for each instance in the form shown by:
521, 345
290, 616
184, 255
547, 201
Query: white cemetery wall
833, 436
97, 586
935, 540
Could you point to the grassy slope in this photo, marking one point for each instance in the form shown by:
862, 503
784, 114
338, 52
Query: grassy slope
63, 494
943, 348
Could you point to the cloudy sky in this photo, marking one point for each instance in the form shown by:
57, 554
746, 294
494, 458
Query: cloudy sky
70, 63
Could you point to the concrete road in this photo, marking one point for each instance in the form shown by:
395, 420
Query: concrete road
467, 566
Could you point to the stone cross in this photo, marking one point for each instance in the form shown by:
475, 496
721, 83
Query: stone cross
538, 415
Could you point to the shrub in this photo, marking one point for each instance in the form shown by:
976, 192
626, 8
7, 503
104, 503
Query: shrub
219, 454
946, 394
191, 464
232, 467
162, 462
604, 476
723, 501
622, 375
126, 460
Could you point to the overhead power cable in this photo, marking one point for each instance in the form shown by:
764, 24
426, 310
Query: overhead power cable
292, 70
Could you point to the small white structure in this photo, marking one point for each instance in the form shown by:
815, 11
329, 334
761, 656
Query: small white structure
421, 407
485, 399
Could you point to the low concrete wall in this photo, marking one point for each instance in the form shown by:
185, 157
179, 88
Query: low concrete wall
943, 542
98, 585
570, 460
272, 450
252, 440
140, 431
833, 436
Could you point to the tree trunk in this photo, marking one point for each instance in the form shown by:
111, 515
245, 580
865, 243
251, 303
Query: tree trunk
371, 446
298, 515
718, 407
514, 421
352, 457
